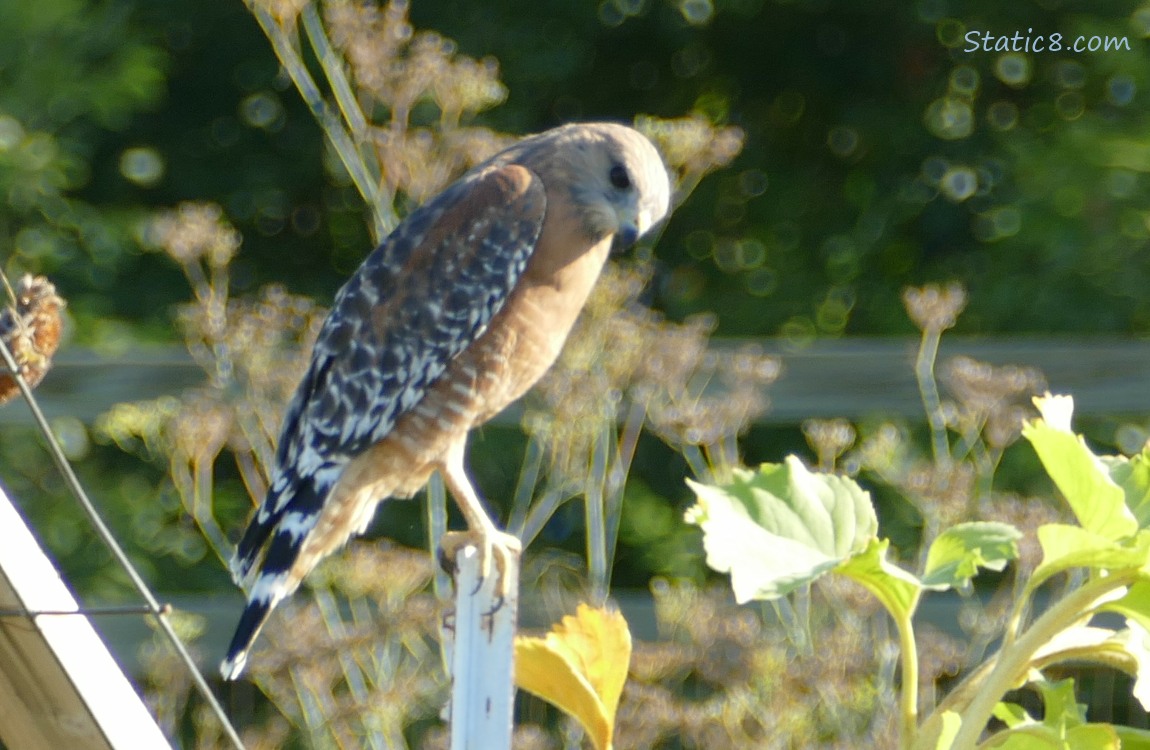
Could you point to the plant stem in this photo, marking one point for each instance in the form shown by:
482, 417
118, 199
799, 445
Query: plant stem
436, 528
525, 488
928, 389
337, 134
908, 698
596, 524
1011, 663
383, 213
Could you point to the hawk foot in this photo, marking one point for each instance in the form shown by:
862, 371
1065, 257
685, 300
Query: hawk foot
497, 550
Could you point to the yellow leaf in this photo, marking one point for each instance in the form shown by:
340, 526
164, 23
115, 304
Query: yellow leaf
580, 667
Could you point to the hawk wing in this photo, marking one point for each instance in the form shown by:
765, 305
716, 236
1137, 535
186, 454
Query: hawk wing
418, 300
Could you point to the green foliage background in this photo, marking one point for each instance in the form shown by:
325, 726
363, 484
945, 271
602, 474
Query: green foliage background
879, 154
834, 205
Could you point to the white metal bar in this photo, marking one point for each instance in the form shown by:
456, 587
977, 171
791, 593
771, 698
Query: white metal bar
90, 674
481, 655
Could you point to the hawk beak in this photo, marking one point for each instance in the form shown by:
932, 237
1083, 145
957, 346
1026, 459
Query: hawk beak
625, 237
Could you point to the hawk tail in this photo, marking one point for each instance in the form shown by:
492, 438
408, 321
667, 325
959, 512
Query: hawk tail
274, 541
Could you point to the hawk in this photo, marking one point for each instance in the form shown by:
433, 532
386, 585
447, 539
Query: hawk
454, 316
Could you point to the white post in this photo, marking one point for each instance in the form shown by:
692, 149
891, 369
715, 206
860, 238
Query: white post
480, 647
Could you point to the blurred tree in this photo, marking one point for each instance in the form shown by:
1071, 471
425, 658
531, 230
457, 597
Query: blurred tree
879, 151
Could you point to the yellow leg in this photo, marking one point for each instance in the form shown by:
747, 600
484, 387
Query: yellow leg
493, 544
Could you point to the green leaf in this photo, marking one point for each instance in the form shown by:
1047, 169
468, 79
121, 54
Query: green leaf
897, 589
1134, 641
1086, 643
1125, 650
1093, 737
1134, 604
1061, 707
1012, 715
1133, 476
780, 527
1082, 478
1039, 737
957, 553
1027, 737
1133, 739
951, 723
1065, 547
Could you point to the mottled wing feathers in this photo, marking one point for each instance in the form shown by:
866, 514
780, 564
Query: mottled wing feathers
416, 302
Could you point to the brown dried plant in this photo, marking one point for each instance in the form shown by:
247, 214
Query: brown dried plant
722, 675
30, 327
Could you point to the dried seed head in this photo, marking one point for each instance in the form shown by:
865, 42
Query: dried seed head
200, 429
194, 232
984, 388
691, 146
829, 438
934, 308
30, 327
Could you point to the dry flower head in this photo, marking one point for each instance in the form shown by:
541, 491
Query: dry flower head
935, 308
30, 327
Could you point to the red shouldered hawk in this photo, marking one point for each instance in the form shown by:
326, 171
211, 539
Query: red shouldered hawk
31, 330
460, 310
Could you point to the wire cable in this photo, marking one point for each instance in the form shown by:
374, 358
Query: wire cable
153, 606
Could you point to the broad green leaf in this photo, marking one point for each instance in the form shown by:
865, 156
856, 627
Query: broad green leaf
951, 723
1028, 737
1133, 476
780, 527
1082, 478
1061, 709
1134, 604
1125, 650
1012, 715
1093, 737
1063, 725
580, 667
1135, 642
1040, 737
957, 553
897, 589
1065, 547
1133, 739
1121, 650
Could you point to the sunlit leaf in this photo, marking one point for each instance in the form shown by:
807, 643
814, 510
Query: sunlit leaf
1029, 737
580, 667
1131, 738
951, 724
1135, 642
1061, 708
1133, 476
897, 589
1012, 715
957, 553
781, 526
1041, 737
1134, 604
1065, 547
1120, 650
1082, 478
1093, 737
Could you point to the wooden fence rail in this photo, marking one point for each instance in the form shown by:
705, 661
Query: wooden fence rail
848, 378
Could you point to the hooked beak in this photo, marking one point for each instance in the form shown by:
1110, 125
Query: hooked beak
625, 237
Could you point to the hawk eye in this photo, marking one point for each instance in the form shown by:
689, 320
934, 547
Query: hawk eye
619, 177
